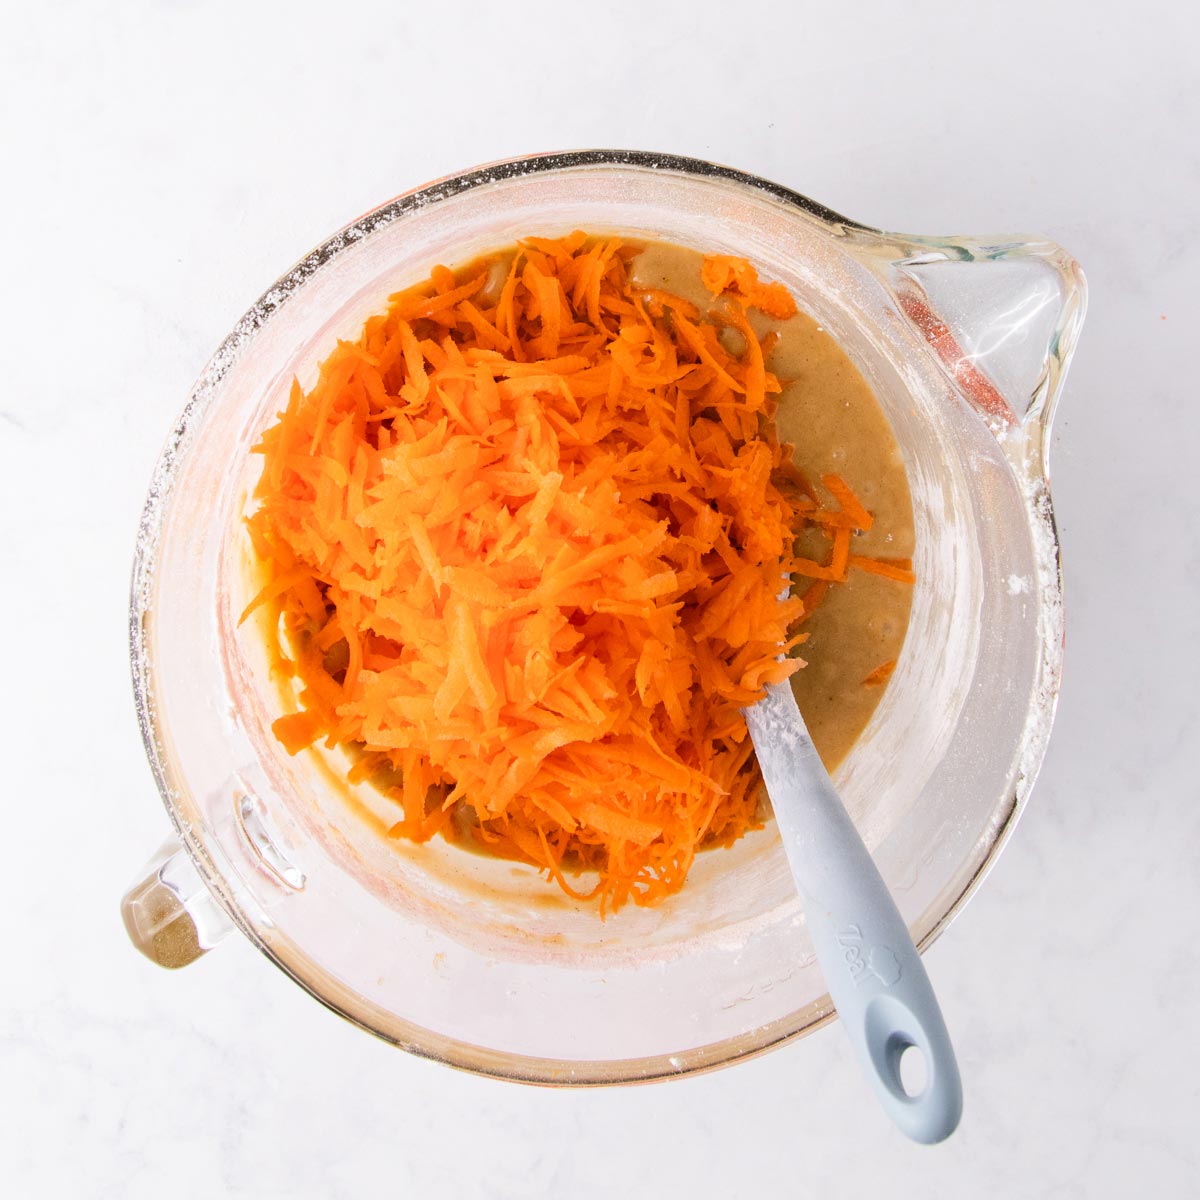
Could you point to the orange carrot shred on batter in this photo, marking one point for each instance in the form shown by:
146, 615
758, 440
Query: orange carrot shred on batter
297, 730
899, 569
881, 674
725, 273
850, 503
524, 544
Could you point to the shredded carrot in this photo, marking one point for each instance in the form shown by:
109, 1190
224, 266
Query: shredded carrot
812, 596
852, 507
724, 273
297, 730
899, 569
881, 674
525, 549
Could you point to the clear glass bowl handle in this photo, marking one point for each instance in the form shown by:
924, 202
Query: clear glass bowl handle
169, 914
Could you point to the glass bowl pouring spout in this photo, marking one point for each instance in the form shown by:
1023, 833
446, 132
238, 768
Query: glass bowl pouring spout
1002, 316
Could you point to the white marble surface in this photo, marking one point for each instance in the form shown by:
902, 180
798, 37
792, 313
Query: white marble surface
164, 162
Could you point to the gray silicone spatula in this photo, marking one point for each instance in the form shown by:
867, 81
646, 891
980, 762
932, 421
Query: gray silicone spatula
874, 973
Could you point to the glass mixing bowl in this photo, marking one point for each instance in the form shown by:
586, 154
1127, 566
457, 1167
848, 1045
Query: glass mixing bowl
478, 962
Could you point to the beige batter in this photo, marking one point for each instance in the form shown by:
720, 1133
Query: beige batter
833, 419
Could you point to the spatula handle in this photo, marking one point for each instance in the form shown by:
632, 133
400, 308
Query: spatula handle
875, 975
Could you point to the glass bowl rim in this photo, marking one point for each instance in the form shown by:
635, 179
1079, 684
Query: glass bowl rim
291, 959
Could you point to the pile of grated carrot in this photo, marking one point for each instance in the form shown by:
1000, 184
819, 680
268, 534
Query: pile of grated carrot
525, 539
